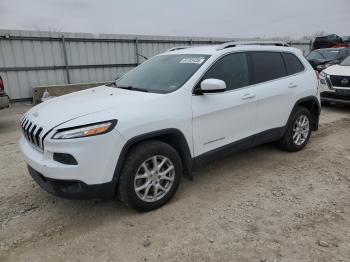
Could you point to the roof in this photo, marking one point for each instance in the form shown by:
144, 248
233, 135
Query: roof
331, 49
216, 49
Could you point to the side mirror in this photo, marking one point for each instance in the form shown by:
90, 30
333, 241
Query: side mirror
212, 85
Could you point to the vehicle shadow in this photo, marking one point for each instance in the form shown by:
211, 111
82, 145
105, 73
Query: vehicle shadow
337, 108
213, 182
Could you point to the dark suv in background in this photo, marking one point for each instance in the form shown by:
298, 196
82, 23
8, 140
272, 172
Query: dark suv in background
346, 40
322, 58
4, 99
327, 41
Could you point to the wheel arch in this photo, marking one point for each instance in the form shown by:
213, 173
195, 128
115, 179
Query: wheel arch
313, 105
171, 136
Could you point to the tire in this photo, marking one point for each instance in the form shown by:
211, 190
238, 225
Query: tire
287, 142
140, 162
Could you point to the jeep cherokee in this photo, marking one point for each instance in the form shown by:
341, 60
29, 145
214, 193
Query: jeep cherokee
136, 137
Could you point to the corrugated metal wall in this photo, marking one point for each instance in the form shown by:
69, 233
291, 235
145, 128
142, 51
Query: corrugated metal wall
33, 58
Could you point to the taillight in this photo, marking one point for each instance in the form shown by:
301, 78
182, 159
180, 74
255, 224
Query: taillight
1, 85
317, 75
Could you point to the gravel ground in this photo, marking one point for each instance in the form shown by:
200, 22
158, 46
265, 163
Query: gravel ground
259, 205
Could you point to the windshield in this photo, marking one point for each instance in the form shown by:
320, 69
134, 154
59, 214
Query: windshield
346, 62
346, 39
163, 74
315, 55
329, 54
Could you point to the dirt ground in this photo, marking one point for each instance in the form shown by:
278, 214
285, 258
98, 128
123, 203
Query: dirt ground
258, 205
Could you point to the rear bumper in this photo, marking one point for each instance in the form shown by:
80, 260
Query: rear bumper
4, 101
73, 189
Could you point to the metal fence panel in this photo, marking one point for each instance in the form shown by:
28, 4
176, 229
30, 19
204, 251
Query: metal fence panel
31, 58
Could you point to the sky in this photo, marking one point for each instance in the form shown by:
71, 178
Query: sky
209, 18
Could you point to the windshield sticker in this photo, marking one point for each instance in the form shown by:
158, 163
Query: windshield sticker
192, 60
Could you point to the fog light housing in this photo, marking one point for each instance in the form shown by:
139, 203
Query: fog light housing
66, 159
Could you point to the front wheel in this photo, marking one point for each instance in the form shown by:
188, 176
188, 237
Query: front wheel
150, 175
298, 131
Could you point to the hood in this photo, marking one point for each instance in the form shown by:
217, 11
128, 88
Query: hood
58, 110
338, 70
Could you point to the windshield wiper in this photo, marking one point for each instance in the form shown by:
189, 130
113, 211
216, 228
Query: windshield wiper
131, 88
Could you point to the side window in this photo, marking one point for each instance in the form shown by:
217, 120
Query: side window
343, 54
232, 69
267, 66
293, 64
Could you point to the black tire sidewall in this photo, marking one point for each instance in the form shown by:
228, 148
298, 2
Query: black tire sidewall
135, 158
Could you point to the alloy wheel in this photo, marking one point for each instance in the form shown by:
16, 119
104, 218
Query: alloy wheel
301, 130
154, 178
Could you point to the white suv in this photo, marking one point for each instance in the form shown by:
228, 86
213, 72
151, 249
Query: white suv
136, 137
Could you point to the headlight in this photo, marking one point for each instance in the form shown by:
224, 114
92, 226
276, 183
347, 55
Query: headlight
86, 130
323, 75
320, 67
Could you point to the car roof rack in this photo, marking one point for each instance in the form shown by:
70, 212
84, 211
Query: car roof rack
178, 48
236, 43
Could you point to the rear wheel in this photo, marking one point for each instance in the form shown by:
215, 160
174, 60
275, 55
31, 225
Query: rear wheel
298, 131
150, 175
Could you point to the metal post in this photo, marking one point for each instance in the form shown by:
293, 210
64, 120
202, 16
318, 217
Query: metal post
137, 51
191, 41
310, 48
65, 59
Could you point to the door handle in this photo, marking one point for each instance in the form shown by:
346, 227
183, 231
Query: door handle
247, 96
292, 85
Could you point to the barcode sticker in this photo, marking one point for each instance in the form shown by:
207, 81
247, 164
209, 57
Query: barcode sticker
192, 60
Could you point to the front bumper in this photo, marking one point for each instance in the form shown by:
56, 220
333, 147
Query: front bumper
335, 98
73, 189
334, 94
96, 158
4, 101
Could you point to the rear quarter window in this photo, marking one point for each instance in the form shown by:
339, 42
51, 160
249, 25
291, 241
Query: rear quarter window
293, 64
267, 66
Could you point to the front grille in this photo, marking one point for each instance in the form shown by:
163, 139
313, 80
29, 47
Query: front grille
340, 81
32, 132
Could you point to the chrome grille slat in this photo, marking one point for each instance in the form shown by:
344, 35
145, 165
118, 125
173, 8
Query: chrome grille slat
22, 120
32, 132
23, 126
27, 131
37, 136
25, 123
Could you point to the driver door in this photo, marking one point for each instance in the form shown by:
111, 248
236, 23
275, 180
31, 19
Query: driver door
221, 119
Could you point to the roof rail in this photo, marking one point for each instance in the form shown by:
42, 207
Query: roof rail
178, 48
236, 43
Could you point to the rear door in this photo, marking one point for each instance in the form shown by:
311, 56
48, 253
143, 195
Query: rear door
220, 119
274, 89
